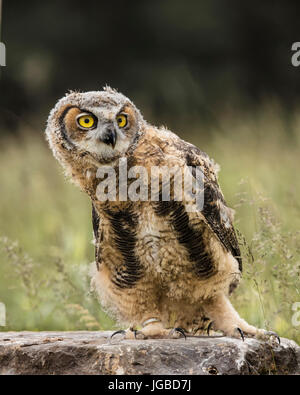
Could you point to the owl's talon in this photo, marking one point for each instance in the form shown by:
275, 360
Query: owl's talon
120, 332
196, 330
274, 334
241, 333
209, 327
178, 330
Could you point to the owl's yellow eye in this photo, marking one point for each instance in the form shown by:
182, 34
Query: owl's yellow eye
86, 121
122, 120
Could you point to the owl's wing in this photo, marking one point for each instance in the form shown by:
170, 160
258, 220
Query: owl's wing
217, 214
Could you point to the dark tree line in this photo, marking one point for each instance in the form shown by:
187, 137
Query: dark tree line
175, 58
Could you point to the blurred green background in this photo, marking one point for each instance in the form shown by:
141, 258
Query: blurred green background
219, 74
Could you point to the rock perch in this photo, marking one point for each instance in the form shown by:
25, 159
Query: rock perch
92, 353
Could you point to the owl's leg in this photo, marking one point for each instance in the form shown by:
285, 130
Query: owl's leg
225, 318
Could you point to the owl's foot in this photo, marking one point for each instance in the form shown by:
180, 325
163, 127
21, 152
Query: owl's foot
151, 331
241, 333
262, 334
227, 320
247, 331
161, 333
178, 332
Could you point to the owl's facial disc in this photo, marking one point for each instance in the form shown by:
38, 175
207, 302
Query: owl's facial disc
100, 131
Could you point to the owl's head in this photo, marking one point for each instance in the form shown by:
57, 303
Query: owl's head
103, 123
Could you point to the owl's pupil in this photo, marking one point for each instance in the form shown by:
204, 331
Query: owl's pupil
86, 120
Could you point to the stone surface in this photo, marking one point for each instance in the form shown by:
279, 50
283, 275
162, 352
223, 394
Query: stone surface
94, 353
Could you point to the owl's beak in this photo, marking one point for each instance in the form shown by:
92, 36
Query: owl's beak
109, 136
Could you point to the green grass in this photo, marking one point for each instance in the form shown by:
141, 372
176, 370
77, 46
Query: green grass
46, 231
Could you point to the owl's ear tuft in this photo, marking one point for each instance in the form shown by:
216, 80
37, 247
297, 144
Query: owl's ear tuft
71, 91
108, 89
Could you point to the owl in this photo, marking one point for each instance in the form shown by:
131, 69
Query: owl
161, 268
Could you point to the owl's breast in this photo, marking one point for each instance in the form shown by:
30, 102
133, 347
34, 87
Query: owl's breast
169, 248
159, 249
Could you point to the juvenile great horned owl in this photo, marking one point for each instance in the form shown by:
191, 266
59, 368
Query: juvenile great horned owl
158, 264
